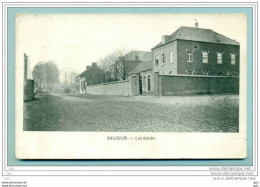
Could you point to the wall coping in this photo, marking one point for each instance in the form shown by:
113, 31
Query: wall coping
210, 76
108, 83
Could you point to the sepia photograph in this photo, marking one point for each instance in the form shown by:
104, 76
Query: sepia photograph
113, 75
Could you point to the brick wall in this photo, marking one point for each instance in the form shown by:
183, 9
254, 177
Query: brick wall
113, 88
187, 85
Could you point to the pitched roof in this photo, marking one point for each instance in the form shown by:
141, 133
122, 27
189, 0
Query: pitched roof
89, 72
141, 67
141, 56
198, 34
81, 74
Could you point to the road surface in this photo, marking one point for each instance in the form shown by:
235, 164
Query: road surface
80, 112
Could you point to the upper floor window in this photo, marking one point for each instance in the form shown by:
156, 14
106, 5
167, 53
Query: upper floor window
171, 56
156, 60
189, 55
233, 59
205, 57
219, 58
163, 58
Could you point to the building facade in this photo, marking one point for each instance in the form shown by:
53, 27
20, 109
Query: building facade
196, 51
129, 62
191, 60
144, 72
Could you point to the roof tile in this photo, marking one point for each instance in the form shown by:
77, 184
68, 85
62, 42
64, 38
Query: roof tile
198, 34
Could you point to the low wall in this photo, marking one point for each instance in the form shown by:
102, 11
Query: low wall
187, 85
113, 88
28, 90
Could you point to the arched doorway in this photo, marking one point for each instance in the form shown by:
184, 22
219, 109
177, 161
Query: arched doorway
149, 83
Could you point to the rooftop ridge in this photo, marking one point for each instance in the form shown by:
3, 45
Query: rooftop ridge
198, 34
179, 32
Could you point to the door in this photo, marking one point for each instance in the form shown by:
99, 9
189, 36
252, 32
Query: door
140, 85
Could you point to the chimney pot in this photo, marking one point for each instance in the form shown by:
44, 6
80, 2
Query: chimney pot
94, 64
88, 67
165, 38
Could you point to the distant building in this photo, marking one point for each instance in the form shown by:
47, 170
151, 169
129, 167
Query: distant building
92, 75
128, 62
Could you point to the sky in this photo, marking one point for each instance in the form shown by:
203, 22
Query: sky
74, 41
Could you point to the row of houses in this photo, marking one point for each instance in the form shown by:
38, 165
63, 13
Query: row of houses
190, 60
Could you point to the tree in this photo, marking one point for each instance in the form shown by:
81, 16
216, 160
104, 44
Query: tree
114, 66
46, 75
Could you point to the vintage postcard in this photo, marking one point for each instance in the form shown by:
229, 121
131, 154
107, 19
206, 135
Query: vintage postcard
131, 86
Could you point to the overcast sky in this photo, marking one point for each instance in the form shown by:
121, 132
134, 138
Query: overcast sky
74, 41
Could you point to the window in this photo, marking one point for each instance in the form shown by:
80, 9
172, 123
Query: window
219, 58
220, 73
189, 54
163, 58
149, 83
233, 59
170, 72
144, 81
156, 60
171, 56
205, 57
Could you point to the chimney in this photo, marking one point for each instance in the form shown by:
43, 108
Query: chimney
88, 67
196, 24
165, 38
25, 66
94, 64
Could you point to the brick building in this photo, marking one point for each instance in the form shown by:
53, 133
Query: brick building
189, 57
92, 75
196, 51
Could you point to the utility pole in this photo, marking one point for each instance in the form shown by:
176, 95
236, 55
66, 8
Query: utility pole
25, 66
